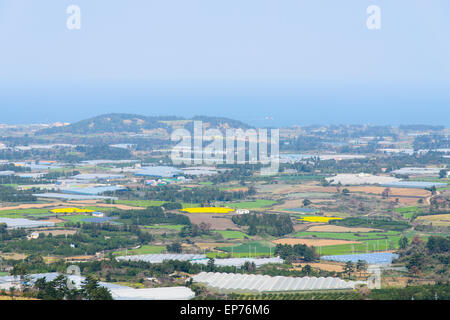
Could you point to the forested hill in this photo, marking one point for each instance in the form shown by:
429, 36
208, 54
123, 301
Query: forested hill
121, 122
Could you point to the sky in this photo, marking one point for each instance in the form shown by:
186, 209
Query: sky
273, 63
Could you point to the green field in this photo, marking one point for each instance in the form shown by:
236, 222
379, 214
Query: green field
42, 212
250, 249
22, 213
142, 250
388, 243
408, 212
251, 204
230, 234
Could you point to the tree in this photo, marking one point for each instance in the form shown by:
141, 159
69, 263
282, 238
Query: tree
211, 266
385, 193
92, 290
306, 202
174, 247
403, 242
348, 268
361, 266
307, 269
442, 173
345, 192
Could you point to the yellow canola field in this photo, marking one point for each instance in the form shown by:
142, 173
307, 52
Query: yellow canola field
207, 210
71, 210
318, 219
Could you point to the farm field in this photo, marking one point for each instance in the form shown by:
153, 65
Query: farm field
252, 204
212, 245
408, 212
207, 210
147, 249
231, 234
217, 221
150, 203
405, 192
312, 242
76, 218
442, 220
347, 235
317, 218
250, 249
336, 267
310, 195
332, 228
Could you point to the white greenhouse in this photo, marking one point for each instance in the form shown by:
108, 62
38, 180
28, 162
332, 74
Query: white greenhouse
231, 282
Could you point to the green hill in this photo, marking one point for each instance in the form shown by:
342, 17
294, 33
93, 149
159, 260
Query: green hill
133, 123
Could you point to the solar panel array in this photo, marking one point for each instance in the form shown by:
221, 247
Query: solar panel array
159, 258
233, 282
371, 258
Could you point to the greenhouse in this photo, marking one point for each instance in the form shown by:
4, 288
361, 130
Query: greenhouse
239, 262
160, 258
232, 282
25, 223
382, 258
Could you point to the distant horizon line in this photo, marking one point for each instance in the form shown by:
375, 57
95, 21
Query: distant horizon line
50, 122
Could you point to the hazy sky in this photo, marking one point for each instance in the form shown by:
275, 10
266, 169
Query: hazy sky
297, 61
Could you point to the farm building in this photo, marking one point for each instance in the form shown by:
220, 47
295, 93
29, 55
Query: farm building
98, 214
242, 211
33, 235
25, 223
232, 282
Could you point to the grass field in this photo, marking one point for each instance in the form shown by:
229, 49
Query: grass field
142, 250
230, 234
442, 220
250, 249
252, 204
388, 243
76, 218
408, 212
21, 213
